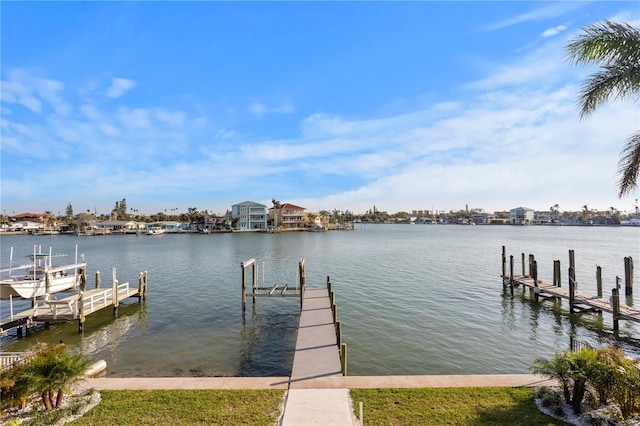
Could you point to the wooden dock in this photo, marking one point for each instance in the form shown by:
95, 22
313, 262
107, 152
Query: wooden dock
317, 352
578, 302
75, 307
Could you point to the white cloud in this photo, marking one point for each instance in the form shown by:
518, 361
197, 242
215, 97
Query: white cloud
547, 11
119, 86
553, 31
134, 118
259, 109
171, 118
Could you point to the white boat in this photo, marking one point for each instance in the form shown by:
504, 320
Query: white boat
155, 231
40, 278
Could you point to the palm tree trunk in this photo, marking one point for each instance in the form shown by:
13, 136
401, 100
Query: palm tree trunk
46, 401
59, 398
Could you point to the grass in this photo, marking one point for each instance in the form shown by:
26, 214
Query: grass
186, 407
450, 406
425, 406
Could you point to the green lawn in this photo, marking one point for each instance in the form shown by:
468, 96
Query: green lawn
437, 406
450, 406
186, 407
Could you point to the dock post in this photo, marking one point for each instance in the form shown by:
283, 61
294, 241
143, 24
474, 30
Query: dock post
504, 265
536, 289
572, 287
523, 274
302, 278
343, 358
244, 288
254, 277
511, 274
329, 285
334, 311
599, 281
144, 288
140, 286
97, 279
531, 260
628, 276
615, 305
338, 333
556, 273
116, 302
83, 288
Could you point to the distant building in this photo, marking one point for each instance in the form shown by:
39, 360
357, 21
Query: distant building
250, 216
521, 216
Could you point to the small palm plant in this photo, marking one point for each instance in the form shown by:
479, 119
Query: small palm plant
573, 370
51, 374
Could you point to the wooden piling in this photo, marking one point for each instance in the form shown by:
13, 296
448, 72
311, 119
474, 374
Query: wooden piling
98, 279
523, 274
244, 287
628, 276
116, 302
531, 259
83, 288
556, 274
599, 280
511, 274
572, 288
615, 305
504, 265
338, 333
329, 284
536, 289
343, 358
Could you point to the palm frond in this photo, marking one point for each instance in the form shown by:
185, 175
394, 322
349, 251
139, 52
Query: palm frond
605, 43
629, 164
616, 82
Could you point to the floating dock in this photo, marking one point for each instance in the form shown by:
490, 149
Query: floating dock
578, 302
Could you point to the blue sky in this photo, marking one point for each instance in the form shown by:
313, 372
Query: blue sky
327, 105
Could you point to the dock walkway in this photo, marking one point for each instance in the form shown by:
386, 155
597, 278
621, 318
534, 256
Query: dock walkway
586, 301
317, 356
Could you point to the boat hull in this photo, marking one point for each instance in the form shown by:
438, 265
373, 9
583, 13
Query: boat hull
27, 288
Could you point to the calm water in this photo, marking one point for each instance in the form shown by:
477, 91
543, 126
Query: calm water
421, 299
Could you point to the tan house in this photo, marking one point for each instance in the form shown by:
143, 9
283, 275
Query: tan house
288, 216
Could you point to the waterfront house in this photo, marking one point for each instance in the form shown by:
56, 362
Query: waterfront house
249, 216
120, 226
288, 216
521, 216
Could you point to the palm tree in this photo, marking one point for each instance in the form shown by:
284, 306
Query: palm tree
51, 374
615, 47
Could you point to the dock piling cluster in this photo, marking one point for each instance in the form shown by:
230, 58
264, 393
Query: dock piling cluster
578, 302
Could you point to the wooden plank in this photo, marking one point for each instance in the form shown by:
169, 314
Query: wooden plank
317, 353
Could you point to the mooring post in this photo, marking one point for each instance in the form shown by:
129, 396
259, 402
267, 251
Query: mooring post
116, 302
334, 310
329, 285
556, 273
146, 283
302, 278
97, 279
531, 259
83, 288
536, 289
338, 333
504, 265
628, 276
244, 287
254, 277
599, 280
343, 358
511, 274
523, 274
615, 305
572, 287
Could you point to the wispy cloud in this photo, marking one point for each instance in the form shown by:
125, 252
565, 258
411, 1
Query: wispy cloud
547, 11
550, 32
119, 86
259, 109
